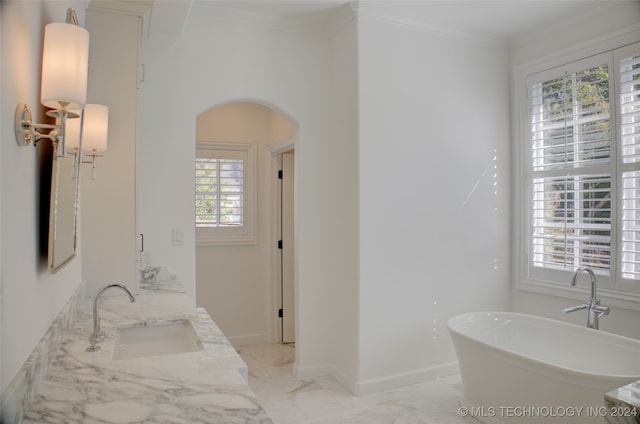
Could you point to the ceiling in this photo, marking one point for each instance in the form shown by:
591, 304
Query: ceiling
501, 18
504, 18
316, 11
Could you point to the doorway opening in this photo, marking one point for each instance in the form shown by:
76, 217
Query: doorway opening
239, 276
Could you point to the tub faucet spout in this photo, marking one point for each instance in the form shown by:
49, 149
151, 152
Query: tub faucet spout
595, 310
98, 336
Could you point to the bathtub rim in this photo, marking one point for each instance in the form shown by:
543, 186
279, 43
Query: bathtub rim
588, 332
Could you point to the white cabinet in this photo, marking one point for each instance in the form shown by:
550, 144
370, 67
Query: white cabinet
109, 237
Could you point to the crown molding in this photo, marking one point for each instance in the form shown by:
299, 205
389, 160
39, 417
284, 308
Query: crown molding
587, 15
363, 11
216, 12
129, 7
346, 14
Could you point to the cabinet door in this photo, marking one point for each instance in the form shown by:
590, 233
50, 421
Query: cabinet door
108, 203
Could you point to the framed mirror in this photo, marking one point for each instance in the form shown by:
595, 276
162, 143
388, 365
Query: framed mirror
63, 211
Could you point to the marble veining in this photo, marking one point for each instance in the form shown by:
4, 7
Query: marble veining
624, 404
164, 389
205, 386
289, 400
119, 411
158, 279
17, 395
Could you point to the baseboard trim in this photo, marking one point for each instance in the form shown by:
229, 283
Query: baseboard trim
315, 371
394, 381
380, 384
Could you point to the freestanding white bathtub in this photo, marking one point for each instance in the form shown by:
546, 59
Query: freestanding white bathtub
527, 369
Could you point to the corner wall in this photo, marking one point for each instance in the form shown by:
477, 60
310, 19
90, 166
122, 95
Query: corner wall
31, 297
221, 57
343, 212
434, 195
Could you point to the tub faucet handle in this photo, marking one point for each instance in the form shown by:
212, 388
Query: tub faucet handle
575, 308
601, 310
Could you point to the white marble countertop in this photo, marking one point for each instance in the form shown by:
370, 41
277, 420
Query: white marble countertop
624, 404
205, 386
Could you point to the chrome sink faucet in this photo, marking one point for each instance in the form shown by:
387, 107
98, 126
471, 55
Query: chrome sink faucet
595, 310
98, 336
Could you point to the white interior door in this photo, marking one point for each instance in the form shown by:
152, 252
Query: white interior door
288, 275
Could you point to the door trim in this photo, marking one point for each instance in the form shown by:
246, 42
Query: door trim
274, 332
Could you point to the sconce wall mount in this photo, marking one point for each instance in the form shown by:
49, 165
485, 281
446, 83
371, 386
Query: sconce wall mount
27, 131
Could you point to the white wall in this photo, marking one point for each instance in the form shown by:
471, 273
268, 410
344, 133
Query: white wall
553, 41
110, 241
2, 37
218, 58
434, 194
233, 283
594, 22
341, 177
31, 297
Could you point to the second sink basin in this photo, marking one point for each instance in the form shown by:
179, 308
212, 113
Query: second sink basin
154, 339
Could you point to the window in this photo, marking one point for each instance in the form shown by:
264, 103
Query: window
582, 171
571, 164
219, 191
225, 193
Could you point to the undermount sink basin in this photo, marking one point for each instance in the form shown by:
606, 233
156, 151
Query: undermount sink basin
155, 339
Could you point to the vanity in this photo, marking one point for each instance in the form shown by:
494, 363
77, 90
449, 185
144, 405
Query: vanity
206, 382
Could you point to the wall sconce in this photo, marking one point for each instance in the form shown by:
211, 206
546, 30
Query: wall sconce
89, 134
65, 63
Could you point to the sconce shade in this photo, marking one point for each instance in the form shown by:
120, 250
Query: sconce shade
95, 128
65, 63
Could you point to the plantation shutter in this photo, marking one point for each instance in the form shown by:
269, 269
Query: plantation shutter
219, 188
571, 167
628, 62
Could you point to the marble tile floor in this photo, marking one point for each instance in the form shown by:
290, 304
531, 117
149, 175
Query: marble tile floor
288, 400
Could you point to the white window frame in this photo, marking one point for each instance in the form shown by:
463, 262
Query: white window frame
616, 291
247, 233
603, 170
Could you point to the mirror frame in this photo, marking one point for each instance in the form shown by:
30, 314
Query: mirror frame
63, 222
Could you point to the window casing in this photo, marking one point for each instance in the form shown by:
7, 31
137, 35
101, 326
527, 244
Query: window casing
580, 173
225, 197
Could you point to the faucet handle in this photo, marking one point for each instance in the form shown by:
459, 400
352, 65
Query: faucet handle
601, 310
575, 308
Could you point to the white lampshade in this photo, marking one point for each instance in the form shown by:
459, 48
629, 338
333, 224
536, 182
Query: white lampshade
95, 128
65, 63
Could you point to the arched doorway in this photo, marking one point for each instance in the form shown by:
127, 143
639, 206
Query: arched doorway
239, 220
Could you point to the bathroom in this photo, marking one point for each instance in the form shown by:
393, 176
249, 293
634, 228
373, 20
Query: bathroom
375, 283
